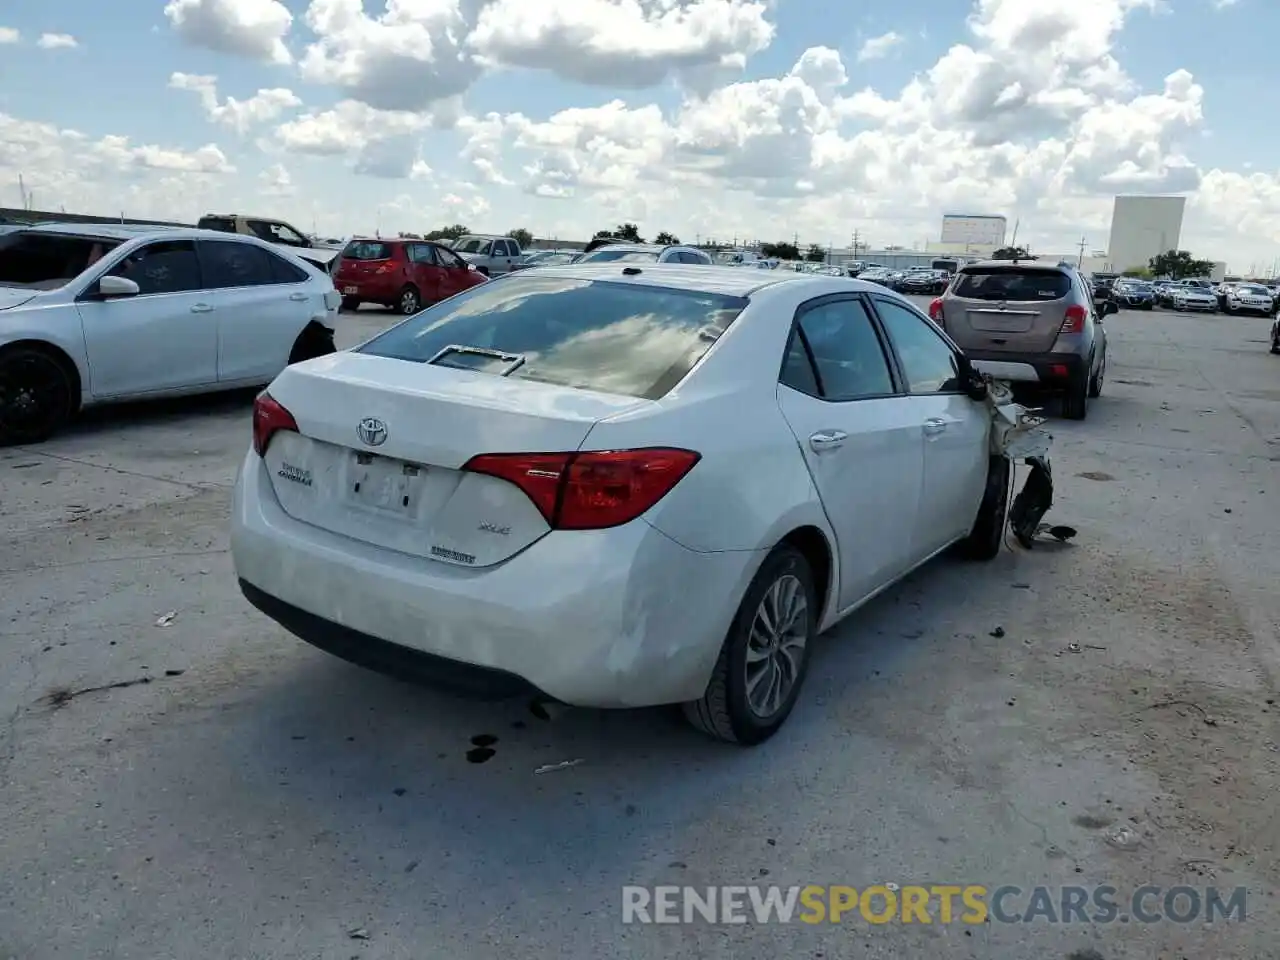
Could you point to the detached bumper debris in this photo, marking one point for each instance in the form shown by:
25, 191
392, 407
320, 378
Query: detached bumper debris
1020, 435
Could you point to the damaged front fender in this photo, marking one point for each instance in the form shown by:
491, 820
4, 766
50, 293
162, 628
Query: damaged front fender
1018, 434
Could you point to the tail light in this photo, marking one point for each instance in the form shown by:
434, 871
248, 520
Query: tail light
593, 490
1075, 318
935, 310
269, 417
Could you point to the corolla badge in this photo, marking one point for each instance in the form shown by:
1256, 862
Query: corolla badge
372, 432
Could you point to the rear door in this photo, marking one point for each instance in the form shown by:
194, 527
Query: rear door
165, 338
953, 428
425, 271
1008, 309
859, 436
258, 316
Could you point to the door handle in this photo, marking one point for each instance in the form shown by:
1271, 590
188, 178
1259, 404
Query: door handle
297, 296
202, 308
827, 440
934, 426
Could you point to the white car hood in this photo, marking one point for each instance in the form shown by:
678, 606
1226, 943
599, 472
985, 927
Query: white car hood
317, 254
470, 257
15, 297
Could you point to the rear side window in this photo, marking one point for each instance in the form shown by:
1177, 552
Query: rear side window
282, 271
634, 340
228, 264
422, 253
836, 354
999, 283
366, 250
223, 224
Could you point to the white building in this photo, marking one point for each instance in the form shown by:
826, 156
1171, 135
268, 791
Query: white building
1143, 227
973, 229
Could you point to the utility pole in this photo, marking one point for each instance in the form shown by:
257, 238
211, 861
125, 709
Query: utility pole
1080, 259
856, 243
1014, 241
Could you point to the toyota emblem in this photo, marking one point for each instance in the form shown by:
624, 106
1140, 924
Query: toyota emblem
372, 431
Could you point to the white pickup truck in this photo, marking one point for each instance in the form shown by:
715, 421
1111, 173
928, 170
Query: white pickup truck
491, 256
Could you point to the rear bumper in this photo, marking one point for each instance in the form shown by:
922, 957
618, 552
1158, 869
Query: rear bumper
1050, 369
378, 291
612, 618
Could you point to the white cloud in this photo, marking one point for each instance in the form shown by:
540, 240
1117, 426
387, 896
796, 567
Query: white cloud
276, 182
240, 115
1224, 4
249, 28
56, 41
877, 48
9, 35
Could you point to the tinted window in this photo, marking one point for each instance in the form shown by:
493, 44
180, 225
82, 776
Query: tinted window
928, 361
849, 359
1002, 283
422, 253
282, 271
617, 338
605, 256
169, 266
223, 224
228, 264
45, 261
797, 371
366, 250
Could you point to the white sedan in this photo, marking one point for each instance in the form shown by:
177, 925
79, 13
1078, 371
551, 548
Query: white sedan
97, 313
616, 485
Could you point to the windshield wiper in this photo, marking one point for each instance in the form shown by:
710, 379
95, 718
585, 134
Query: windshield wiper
513, 361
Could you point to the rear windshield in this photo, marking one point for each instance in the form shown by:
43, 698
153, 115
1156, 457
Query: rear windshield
999, 283
629, 339
46, 261
225, 224
366, 250
605, 256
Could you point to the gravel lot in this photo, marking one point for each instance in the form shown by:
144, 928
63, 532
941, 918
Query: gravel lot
258, 799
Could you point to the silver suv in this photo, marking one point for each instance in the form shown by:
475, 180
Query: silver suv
1030, 322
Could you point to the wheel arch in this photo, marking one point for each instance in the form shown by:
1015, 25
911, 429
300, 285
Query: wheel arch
813, 544
63, 358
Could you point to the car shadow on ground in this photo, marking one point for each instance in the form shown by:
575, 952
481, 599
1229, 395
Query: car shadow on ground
148, 413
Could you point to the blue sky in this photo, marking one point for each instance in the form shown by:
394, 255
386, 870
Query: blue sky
691, 166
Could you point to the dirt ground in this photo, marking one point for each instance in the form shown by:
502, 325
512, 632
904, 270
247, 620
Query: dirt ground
179, 778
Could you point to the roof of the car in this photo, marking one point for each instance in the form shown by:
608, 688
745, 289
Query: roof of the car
698, 278
116, 231
1031, 264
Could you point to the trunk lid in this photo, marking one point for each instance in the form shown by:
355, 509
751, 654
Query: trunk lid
381, 443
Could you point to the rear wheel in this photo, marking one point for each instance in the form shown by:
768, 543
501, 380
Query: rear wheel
350, 303
765, 655
410, 301
1075, 405
983, 542
313, 342
1095, 382
36, 395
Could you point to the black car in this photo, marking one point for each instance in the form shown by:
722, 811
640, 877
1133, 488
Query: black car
1134, 294
924, 281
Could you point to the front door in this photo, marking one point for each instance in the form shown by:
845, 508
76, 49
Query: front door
955, 429
164, 338
426, 272
859, 438
455, 273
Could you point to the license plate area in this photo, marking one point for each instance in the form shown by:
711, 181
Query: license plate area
384, 484
994, 321
349, 291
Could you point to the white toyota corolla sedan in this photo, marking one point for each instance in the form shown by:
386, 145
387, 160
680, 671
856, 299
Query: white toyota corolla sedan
98, 313
616, 485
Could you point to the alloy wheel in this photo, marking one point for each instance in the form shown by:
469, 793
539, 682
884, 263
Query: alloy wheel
33, 395
409, 302
775, 646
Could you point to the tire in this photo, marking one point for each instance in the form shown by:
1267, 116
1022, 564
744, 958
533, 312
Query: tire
37, 395
725, 711
484, 270
1275, 338
987, 535
409, 302
1075, 405
1095, 381
351, 303
311, 343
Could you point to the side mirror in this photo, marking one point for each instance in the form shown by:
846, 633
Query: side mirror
112, 287
972, 382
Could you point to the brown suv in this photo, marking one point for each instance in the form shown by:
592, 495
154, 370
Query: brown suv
1030, 322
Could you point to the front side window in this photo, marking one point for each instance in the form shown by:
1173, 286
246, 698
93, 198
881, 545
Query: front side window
633, 340
447, 258
929, 363
839, 343
167, 266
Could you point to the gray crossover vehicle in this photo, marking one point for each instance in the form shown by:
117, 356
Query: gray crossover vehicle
1030, 322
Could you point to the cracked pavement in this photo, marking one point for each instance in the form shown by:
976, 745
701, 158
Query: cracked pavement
268, 801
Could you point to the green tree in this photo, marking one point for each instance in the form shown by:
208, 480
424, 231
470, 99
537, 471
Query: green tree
667, 239
1179, 264
785, 250
450, 233
1138, 273
628, 232
815, 254
1012, 253
521, 236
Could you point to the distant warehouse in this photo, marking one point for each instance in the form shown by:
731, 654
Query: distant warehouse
1142, 228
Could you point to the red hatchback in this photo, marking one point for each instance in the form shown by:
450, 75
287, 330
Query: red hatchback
405, 275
